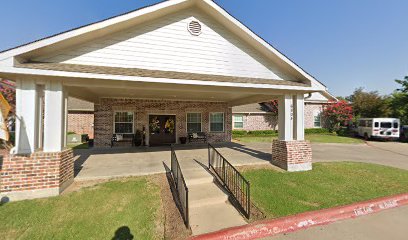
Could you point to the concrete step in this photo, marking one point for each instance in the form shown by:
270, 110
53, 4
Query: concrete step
197, 176
209, 219
206, 194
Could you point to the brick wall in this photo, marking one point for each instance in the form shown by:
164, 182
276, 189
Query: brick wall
310, 108
258, 121
81, 122
292, 155
36, 171
104, 113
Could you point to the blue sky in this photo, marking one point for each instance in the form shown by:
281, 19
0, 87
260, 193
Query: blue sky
344, 43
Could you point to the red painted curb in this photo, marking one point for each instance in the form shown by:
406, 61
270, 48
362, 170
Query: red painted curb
305, 220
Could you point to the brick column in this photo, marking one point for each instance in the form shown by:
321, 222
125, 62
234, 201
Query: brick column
293, 155
291, 152
35, 175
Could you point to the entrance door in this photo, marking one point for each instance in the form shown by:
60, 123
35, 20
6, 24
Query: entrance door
162, 129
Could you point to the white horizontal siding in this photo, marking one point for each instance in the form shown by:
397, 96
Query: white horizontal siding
166, 44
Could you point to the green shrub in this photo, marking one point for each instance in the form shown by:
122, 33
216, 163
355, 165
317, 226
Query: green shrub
71, 133
239, 132
256, 133
266, 133
263, 133
317, 131
345, 132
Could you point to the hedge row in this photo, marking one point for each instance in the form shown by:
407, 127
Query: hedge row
255, 133
275, 132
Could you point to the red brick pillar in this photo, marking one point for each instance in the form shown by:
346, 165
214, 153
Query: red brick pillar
293, 155
36, 175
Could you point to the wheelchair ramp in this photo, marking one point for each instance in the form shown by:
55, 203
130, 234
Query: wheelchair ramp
209, 209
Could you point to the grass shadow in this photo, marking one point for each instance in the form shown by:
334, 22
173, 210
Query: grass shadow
123, 233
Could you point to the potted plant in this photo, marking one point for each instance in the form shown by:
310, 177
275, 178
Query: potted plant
183, 140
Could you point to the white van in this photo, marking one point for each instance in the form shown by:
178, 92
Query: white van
379, 128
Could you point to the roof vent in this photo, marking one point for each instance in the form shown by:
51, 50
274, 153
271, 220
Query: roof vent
194, 27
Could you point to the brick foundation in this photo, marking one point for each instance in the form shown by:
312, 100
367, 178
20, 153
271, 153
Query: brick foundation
36, 175
104, 113
292, 155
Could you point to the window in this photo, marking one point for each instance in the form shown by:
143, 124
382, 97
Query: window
376, 124
386, 125
123, 122
395, 124
317, 120
194, 122
238, 121
216, 122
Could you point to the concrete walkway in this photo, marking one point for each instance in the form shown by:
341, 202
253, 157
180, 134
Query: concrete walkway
121, 162
108, 163
208, 204
389, 224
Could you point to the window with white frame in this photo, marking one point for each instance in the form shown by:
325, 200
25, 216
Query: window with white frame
123, 122
317, 119
217, 122
238, 120
193, 122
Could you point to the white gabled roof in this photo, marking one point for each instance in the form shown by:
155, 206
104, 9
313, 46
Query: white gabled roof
102, 28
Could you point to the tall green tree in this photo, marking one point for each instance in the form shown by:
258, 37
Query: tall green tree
369, 104
404, 85
399, 101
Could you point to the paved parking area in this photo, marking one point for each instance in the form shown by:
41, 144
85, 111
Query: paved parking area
120, 162
392, 154
389, 224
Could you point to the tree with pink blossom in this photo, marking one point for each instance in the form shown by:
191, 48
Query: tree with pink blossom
337, 114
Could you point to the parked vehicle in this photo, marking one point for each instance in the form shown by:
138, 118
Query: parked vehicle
404, 133
379, 128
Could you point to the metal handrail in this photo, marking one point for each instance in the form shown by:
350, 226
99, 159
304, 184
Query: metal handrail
180, 187
232, 180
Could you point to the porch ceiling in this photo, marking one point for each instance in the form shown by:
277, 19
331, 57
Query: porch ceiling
94, 89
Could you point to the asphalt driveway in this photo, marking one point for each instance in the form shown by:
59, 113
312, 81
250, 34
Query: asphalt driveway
392, 154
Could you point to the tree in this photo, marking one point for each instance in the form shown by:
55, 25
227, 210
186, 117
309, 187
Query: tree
398, 101
7, 89
369, 104
336, 114
404, 85
271, 107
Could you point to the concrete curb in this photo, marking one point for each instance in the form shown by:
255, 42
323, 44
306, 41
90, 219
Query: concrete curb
305, 220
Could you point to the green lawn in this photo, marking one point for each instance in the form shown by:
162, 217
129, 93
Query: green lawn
327, 185
322, 138
315, 138
91, 213
78, 145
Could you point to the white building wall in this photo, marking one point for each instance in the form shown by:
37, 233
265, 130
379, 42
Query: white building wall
166, 44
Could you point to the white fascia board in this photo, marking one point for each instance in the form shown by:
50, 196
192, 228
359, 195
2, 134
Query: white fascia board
316, 101
225, 14
51, 73
86, 29
251, 112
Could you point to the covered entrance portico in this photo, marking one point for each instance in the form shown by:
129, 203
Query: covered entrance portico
164, 71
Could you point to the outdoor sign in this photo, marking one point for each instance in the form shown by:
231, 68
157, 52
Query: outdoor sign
5, 109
